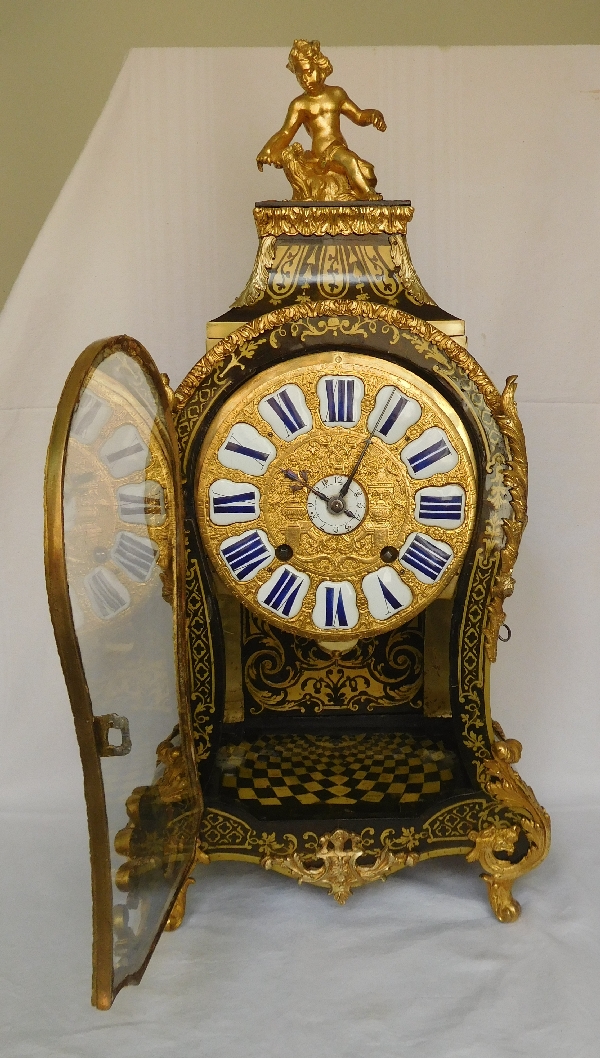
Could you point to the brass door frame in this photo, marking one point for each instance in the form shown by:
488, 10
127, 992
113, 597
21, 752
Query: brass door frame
88, 729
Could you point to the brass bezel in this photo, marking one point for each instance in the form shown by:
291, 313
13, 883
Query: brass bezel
103, 990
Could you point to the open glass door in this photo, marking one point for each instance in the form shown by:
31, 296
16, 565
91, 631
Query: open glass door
115, 578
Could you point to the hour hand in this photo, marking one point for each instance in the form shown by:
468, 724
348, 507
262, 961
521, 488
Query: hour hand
301, 480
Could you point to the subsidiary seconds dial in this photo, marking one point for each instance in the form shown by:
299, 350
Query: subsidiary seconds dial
332, 514
336, 495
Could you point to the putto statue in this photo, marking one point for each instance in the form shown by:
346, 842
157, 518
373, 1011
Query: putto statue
329, 171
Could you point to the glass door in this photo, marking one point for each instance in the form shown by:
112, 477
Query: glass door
115, 578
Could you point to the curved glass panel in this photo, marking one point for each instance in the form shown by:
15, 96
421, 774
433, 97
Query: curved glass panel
122, 574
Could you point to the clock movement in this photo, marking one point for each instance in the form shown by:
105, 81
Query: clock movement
277, 591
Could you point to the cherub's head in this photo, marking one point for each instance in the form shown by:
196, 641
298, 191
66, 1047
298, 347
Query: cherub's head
307, 62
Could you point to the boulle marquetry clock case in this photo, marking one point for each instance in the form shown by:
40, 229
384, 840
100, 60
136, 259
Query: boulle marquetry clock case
277, 592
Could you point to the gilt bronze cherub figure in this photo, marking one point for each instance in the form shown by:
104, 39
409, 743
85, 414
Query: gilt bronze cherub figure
329, 171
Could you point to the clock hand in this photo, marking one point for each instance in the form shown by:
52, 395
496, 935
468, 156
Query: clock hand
350, 478
303, 484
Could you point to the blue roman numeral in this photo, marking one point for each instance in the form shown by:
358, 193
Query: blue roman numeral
283, 594
389, 596
448, 508
243, 556
340, 399
392, 417
285, 409
135, 555
240, 503
252, 453
428, 456
335, 614
424, 556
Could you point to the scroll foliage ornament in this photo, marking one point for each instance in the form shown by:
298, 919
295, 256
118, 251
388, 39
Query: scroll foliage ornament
406, 271
505, 786
257, 284
515, 478
334, 863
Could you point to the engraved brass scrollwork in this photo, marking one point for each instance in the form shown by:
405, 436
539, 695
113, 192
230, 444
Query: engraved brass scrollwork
283, 672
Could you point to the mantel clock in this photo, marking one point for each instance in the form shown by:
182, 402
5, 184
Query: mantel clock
277, 591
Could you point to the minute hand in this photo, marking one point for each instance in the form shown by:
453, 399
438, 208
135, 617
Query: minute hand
350, 478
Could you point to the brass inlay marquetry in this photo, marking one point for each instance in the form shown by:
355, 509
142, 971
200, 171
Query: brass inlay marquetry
320, 774
436, 661
285, 673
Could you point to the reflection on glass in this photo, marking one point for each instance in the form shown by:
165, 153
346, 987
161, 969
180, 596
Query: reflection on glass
119, 548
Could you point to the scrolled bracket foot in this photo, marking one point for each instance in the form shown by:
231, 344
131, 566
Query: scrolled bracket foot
178, 910
508, 791
502, 902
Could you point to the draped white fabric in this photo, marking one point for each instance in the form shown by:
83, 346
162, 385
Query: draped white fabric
152, 235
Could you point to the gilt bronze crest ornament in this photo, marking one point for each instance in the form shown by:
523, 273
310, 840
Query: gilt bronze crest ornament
277, 592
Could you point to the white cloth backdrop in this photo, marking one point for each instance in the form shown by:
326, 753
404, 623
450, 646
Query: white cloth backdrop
152, 235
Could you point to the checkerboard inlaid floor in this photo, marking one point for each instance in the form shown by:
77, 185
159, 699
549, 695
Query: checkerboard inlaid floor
387, 770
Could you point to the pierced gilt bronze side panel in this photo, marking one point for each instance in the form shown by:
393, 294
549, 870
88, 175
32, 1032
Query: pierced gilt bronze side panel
288, 674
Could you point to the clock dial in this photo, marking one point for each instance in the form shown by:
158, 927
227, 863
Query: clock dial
432, 453
392, 415
359, 481
386, 593
247, 554
283, 593
426, 558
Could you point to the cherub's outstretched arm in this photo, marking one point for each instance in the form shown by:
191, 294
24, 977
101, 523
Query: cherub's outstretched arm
271, 152
363, 117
